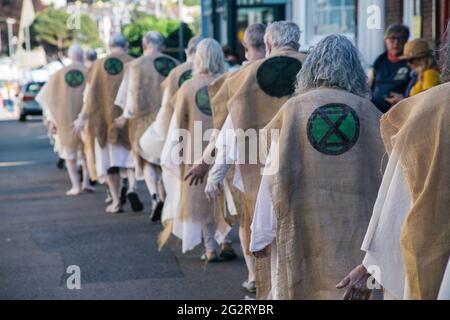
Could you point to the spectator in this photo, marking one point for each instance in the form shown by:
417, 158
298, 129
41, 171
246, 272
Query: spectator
425, 73
389, 73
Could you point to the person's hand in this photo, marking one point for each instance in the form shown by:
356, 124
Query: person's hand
78, 126
356, 284
196, 174
52, 127
395, 98
213, 190
119, 122
264, 253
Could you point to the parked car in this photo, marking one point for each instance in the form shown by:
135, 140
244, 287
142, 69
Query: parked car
26, 103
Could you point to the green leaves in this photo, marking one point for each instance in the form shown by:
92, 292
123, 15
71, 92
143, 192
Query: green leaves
136, 30
50, 30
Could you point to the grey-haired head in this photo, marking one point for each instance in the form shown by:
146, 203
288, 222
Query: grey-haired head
154, 40
334, 63
445, 52
192, 46
209, 57
254, 35
282, 34
118, 41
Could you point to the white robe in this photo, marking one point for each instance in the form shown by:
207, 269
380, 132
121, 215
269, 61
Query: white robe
382, 241
62, 151
188, 231
110, 156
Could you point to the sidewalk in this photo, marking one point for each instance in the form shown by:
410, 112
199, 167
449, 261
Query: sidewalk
6, 115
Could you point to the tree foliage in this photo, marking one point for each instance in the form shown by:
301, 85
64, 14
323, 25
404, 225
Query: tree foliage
167, 27
50, 30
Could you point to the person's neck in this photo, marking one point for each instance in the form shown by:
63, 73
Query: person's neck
117, 51
150, 51
280, 50
393, 58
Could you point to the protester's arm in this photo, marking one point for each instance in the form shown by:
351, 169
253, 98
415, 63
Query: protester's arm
356, 284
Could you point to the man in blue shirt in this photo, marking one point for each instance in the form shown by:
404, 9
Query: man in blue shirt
389, 74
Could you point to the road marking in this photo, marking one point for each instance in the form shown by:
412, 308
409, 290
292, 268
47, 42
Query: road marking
16, 163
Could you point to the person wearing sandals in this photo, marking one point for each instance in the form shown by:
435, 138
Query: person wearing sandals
219, 92
197, 220
62, 98
140, 97
113, 158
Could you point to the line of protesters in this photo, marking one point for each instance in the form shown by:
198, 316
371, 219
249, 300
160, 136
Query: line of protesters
343, 198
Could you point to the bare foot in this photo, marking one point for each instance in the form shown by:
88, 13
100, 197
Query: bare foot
114, 208
73, 192
88, 189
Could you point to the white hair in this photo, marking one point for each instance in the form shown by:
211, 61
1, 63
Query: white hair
192, 45
334, 63
281, 34
154, 39
254, 35
445, 72
76, 53
209, 57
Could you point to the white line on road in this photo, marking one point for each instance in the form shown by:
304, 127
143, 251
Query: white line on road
16, 163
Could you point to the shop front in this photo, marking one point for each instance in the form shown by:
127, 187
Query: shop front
226, 21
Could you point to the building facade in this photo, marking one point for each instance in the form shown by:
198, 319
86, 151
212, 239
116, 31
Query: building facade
363, 21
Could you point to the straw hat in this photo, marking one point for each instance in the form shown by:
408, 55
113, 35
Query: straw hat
414, 49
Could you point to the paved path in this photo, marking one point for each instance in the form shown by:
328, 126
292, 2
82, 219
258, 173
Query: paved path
42, 232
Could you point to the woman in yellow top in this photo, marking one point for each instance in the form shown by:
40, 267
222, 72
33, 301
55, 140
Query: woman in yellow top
425, 72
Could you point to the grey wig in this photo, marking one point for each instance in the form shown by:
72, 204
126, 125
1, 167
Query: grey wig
334, 63
445, 58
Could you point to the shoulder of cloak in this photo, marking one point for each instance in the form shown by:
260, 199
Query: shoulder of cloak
246, 73
411, 114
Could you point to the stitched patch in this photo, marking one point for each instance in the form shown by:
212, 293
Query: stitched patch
113, 66
74, 78
277, 76
202, 101
164, 65
333, 129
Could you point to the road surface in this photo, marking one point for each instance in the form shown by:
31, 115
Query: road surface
43, 232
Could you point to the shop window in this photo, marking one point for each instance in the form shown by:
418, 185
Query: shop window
325, 17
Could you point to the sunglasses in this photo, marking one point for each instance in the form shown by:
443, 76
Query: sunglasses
399, 39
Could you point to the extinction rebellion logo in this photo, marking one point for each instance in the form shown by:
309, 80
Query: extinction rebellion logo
333, 129
202, 101
164, 65
74, 78
113, 66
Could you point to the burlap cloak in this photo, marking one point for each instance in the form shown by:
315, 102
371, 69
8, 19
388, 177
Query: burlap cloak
330, 154
219, 92
65, 101
104, 79
252, 108
419, 128
193, 204
256, 94
145, 94
173, 82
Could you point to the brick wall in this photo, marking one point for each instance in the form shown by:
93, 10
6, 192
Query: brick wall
427, 22
394, 11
